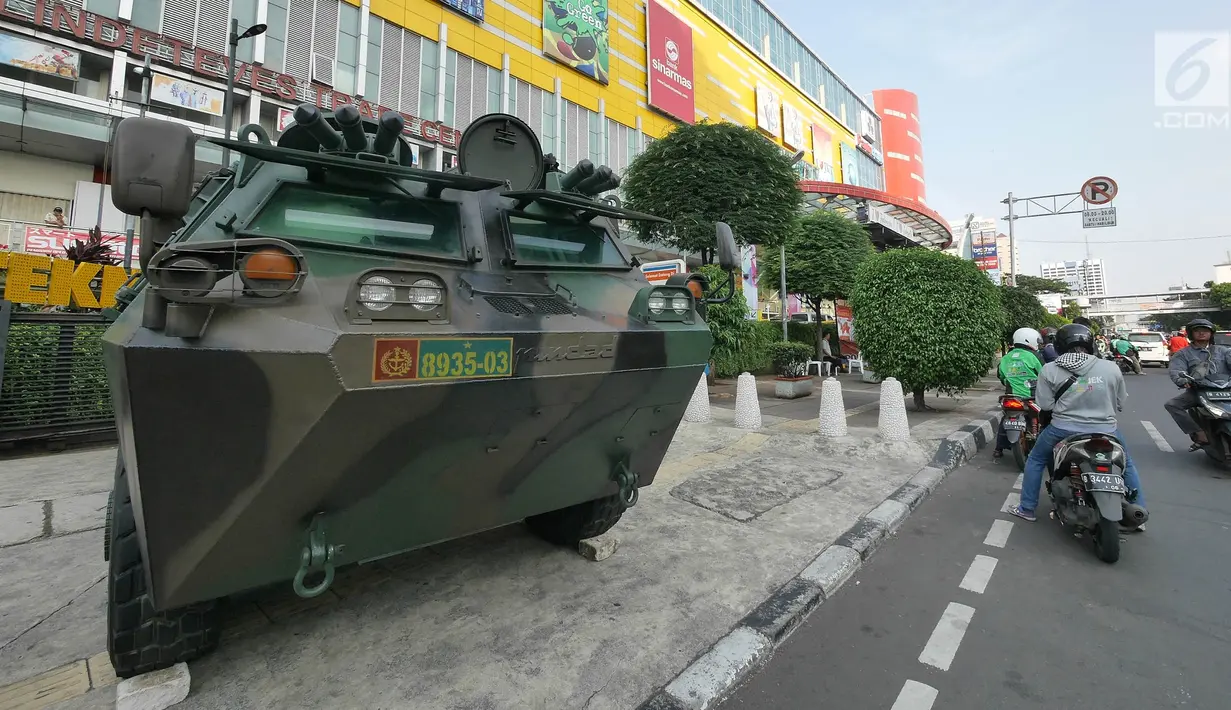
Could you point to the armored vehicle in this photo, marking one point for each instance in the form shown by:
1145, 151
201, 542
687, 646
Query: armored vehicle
330, 356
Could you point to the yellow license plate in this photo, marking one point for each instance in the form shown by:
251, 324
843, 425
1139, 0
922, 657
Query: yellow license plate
410, 359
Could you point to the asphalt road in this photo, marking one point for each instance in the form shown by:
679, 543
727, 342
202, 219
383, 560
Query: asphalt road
952, 614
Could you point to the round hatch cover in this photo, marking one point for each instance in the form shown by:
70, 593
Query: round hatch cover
502, 147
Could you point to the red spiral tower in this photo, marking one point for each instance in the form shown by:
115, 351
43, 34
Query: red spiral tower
902, 143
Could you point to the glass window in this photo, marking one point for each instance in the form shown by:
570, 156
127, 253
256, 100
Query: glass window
348, 19
494, 77
428, 71
539, 240
596, 137
348, 49
275, 36
548, 134
344, 78
513, 82
106, 8
371, 221
148, 15
451, 88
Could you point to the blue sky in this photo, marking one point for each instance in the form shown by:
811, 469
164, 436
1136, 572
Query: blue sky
1035, 97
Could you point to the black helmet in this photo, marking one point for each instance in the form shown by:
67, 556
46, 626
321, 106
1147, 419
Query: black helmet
1082, 320
1049, 334
1198, 323
1074, 335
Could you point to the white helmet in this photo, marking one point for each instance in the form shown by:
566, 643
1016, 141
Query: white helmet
1028, 337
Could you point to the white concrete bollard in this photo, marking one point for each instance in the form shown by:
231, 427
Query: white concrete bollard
893, 424
747, 406
832, 421
699, 406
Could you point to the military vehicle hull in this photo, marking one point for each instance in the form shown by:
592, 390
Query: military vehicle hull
235, 442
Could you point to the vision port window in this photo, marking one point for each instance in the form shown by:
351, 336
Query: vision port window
542, 241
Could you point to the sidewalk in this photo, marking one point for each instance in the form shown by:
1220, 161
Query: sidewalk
497, 620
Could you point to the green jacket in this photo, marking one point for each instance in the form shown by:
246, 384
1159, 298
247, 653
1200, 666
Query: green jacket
1017, 368
1122, 346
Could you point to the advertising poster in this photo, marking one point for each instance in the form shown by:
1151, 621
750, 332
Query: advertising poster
285, 118
53, 242
822, 152
669, 46
792, 126
38, 56
191, 95
749, 268
769, 114
850, 166
845, 321
469, 8
575, 34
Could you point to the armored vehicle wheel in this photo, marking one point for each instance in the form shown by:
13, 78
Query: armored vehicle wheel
568, 526
107, 525
139, 639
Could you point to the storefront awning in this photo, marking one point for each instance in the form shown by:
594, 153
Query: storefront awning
902, 220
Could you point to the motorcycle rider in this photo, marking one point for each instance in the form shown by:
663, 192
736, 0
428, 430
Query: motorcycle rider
1048, 353
1018, 368
1087, 406
1201, 348
1129, 351
1176, 343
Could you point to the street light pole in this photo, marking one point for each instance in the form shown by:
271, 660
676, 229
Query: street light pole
229, 103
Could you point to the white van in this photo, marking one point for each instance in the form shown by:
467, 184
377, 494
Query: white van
1151, 345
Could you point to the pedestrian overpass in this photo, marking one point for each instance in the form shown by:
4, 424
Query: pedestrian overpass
1135, 306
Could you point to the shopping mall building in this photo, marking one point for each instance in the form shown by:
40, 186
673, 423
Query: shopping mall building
596, 79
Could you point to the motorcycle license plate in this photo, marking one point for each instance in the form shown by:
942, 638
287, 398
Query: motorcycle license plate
1015, 423
1109, 482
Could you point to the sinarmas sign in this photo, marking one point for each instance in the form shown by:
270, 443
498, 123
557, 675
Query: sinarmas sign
113, 34
40, 280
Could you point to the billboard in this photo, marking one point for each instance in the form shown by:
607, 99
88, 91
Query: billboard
850, 166
669, 47
470, 8
822, 151
40, 57
189, 94
792, 126
53, 242
769, 114
575, 34
748, 266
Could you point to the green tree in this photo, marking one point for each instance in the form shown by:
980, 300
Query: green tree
823, 252
931, 320
1037, 284
737, 342
1021, 310
1220, 294
1054, 321
1071, 310
700, 174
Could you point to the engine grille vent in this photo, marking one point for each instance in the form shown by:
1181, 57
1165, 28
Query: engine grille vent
529, 305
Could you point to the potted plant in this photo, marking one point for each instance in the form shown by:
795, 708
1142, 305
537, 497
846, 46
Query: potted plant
791, 367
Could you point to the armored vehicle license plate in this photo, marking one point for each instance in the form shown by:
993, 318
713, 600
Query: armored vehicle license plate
402, 359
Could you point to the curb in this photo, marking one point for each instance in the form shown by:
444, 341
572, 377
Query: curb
713, 674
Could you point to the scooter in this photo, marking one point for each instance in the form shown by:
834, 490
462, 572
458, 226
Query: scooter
1086, 484
1212, 413
1020, 419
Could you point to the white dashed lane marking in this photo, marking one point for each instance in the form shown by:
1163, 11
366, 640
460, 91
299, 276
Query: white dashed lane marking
979, 574
1157, 436
947, 636
998, 536
1017, 485
915, 696
1012, 500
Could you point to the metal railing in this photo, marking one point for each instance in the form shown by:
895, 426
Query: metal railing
52, 380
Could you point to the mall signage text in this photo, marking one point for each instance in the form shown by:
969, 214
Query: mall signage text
40, 280
114, 34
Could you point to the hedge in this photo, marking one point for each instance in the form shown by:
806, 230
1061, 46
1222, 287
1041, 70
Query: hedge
755, 357
41, 389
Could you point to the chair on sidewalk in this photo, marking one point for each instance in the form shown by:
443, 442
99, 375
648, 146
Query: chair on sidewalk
853, 362
822, 367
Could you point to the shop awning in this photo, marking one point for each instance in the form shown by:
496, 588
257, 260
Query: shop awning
900, 221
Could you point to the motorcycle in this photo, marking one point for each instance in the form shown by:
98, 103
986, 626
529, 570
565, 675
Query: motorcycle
1212, 413
1125, 363
1020, 419
1086, 484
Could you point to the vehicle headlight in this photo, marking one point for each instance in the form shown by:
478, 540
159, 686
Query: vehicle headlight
680, 304
426, 294
657, 302
376, 293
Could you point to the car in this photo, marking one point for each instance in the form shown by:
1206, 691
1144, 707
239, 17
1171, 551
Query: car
1222, 337
1151, 346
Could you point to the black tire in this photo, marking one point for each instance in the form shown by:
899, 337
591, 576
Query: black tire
1107, 540
140, 640
568, 526
1020, 453
107, 525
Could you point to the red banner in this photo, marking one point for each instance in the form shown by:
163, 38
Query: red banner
54, 242
669, 45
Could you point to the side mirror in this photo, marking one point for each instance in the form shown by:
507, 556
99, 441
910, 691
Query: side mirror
728, 252
151, 170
